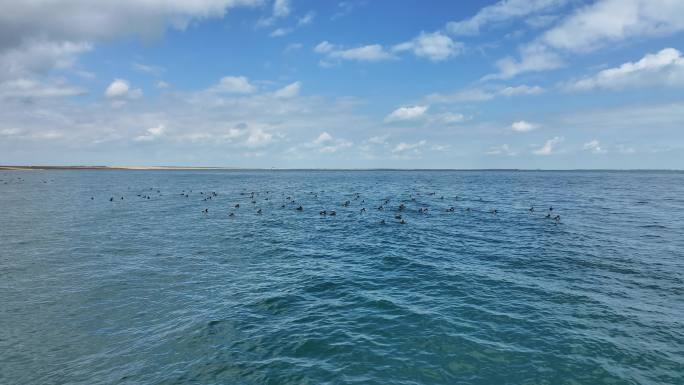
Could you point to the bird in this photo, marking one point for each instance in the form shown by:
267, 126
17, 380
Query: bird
300, 208
323, 212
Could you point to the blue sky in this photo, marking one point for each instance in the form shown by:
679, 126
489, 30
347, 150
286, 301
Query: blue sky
345, 84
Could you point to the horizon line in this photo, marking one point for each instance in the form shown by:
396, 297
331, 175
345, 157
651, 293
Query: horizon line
232, 168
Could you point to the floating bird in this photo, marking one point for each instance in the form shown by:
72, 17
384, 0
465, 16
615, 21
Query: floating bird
300, 208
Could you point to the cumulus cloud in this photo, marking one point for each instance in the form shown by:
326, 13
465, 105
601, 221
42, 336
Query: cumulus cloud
549, 146
479, 94
533, 58
234, 84
30, 89
289, 91
502, 11
151, 134
369, 53
120, 89
306, 19
503, 149
36, 39
594, 146
606, 21
409, 150
523, 126
592, 27
259, 138
87, 21
324, 143
665, 68
406, 113
462, 96
522, 89
149, 69
281, 8
433, 46
38, 56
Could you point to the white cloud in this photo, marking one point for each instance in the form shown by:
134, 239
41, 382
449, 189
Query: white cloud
259, 138
289, 91
549, 146
281, 32
149, 69
234, 84
409, 150
523, 126
594, 146
533, 58
503, 149
33, 57
521, 90
29, 89
462, 96
665, 68
324, 144
306, 19
502, 11
605, 21
592, 27
120, 89
406, 113
449, 118
324, 47
88, 21
371, 53
162, 84
281, 8
379, 139
434, 46
151, 134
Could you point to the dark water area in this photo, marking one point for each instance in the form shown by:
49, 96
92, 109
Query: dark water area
149, 289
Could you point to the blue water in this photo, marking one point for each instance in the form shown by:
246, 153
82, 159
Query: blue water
154, 291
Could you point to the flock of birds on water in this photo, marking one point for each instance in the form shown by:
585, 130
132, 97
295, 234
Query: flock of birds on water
386, 204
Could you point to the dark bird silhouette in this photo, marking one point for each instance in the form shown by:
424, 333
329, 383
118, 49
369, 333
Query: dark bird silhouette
300, 208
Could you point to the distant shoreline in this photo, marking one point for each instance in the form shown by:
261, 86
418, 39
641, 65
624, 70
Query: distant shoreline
190, 168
